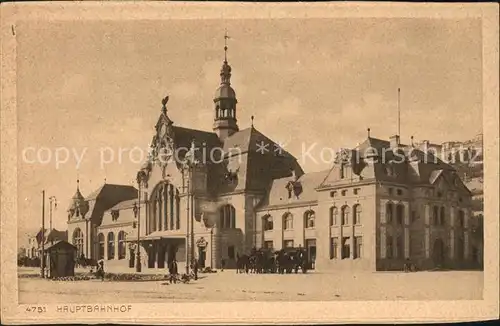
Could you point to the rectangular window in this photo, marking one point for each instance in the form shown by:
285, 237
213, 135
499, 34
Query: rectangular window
346, 248
390, 191
358, 245
268, 244
334, 244
288, 244
230, 252
400, 192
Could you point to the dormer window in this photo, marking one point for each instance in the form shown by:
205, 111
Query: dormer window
114, 215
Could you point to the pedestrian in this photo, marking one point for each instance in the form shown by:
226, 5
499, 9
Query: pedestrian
223, 263
173, 271
195, 268
100, 270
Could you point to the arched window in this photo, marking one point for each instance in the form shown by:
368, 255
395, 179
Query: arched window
388, 212
442, 216
78, 241
309, 219
460, 249
267, 221
345, 215
334, 212
461, 218
227, 216
388, 246
400, 214
356, 213
287, 221
101, 240
121, 245
111, 245
400, 247
435, 215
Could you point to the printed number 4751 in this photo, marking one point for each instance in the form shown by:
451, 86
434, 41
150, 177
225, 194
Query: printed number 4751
36, 309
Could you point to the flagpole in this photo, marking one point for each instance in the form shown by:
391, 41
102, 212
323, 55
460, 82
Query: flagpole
42, 258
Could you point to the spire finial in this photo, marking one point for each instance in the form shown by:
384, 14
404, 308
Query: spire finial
411, 141
104, 180
164, 102
226, 37
78, 184
368, 130
252, 117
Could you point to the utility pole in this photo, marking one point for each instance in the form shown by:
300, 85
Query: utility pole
187, 225
192, 214
42, 257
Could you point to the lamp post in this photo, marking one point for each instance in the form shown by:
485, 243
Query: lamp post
137, 214
190, 162
52, 200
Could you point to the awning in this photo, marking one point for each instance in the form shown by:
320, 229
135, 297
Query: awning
157, 235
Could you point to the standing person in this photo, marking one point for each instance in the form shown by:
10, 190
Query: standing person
195, 268
223, 263
173, 271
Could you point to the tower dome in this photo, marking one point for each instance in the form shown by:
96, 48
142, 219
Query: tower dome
78, 206
225, 123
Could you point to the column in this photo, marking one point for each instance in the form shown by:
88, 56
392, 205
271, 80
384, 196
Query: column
171, 215
452, 231
159, 214
177, 210
216, 248
278, 226
383, 241
427, 234
351, 241
115, 246
406, 225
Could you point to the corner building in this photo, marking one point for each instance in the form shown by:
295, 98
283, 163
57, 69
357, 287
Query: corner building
380, 203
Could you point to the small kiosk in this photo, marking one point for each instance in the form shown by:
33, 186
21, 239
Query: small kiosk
60, 259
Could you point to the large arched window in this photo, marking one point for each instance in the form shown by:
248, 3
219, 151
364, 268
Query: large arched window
100, 253
388, 212
334, 212
356, 214
309, 219
400, 214
78, 241
227, 216
267, 221
111, 245
345, 215
121, 245
287, 221
442, 216
435, 215
461, 218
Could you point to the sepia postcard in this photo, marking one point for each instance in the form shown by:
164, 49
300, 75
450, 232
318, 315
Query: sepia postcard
180, 163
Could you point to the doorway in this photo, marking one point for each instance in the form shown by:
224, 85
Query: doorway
311, 252
202, 256
438, 252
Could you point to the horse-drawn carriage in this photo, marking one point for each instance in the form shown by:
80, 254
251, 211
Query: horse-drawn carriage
265, 260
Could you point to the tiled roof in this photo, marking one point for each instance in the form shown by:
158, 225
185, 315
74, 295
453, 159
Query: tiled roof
108, 189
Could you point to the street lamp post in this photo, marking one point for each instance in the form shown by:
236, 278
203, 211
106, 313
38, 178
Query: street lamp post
137, 214
189, 163
52, 200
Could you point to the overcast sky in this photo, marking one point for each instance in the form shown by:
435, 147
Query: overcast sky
93, 85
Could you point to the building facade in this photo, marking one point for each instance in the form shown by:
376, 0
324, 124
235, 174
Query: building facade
214, 195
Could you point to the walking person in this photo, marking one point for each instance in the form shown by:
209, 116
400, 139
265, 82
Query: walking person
100, 269
223, 263
173, 271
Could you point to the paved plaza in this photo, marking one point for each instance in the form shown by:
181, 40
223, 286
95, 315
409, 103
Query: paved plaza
229, 286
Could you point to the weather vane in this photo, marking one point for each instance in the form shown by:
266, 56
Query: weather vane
226, 37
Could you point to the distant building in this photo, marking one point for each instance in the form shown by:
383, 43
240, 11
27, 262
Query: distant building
35, 241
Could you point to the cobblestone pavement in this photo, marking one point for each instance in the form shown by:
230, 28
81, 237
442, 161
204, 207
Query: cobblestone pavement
229, 286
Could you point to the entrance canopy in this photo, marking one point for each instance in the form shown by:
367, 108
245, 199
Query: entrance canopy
157, 235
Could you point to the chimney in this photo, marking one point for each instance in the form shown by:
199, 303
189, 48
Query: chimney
394, 141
